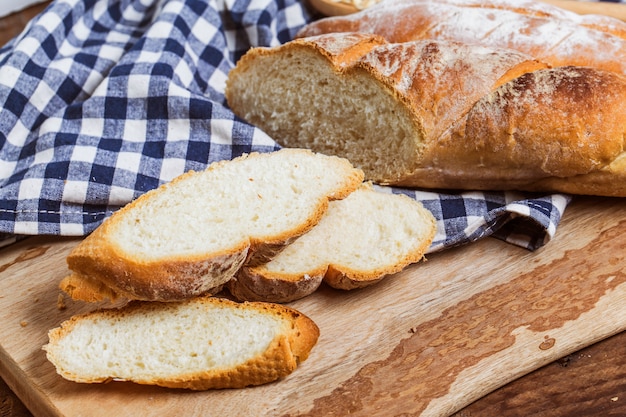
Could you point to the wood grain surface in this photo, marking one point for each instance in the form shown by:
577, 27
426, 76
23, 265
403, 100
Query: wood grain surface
587, 382
13, 24
434, 340
10, 26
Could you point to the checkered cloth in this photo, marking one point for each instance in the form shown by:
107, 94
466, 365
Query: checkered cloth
102, 101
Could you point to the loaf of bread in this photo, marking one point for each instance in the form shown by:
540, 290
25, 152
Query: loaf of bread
199, 344
190, 236
439, 114
359, 241
545, 32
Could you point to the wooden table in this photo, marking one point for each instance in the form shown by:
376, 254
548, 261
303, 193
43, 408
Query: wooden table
590, 382
584, 382
10, 26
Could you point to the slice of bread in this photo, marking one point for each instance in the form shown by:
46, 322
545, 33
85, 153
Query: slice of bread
199, 344
190, 236
359, 241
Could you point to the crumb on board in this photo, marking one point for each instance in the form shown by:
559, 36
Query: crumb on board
61, 302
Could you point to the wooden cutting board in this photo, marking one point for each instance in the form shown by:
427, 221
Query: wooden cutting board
427, 341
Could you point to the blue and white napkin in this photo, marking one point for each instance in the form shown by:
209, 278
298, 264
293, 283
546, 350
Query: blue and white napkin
102, 100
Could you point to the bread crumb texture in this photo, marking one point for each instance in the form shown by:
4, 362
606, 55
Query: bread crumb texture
190, 236
199, 344
257, 196
438, 113
360, 240
368, 232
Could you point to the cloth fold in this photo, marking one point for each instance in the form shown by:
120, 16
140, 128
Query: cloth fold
103, 100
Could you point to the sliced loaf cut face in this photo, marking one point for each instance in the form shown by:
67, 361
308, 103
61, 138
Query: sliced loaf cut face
190, 236
199, 344
359, 241
385, 107
439, 114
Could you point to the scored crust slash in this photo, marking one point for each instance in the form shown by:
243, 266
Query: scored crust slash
417, 108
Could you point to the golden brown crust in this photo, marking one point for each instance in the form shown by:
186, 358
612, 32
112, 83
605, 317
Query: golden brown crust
550, 130
594, 183
280, 359
525, 109
480, 118
264, 283
83, 288
172, 279
342, 52
256, 284
463, 75
292, 345
543, 31
177, 277
342, 278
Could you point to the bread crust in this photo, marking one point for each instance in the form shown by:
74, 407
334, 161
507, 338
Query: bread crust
543, 31
255, 284
163, 280
82, 287
177, 277
339, 231
557, 129
292, 345
474, 117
